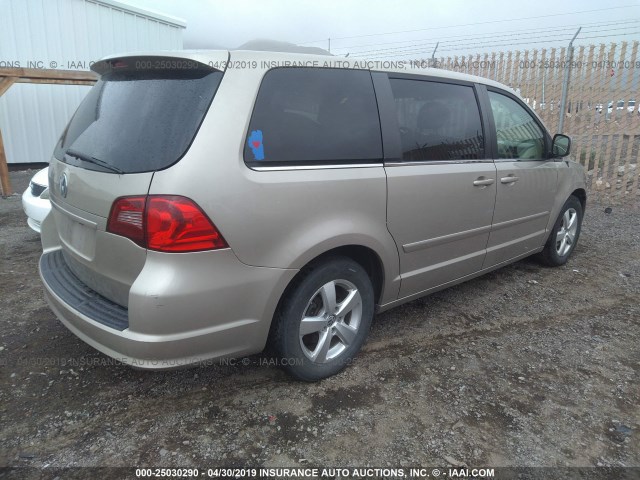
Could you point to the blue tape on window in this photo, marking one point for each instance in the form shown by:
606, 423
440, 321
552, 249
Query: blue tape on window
255, 143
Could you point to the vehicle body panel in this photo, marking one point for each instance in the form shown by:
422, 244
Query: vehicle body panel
522, 208
440, 220
107, 263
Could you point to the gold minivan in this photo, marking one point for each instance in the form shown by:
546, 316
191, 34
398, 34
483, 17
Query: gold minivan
209, 204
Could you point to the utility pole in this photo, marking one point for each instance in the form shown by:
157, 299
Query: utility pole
565, 83
329, 44
433, 55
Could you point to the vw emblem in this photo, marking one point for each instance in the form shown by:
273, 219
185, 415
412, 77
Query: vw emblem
62, 183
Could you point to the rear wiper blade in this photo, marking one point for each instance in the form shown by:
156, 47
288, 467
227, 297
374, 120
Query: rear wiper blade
94, 160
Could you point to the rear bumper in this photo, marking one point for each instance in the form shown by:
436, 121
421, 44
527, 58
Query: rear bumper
180, 312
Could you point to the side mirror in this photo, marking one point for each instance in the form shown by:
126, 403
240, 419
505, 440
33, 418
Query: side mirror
561, 145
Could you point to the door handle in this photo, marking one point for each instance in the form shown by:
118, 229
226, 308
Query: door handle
483, 182
509, 179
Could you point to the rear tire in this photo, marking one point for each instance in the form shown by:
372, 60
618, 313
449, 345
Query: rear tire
324, 319
564, 235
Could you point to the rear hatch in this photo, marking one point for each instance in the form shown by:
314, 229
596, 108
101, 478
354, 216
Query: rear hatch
140, 117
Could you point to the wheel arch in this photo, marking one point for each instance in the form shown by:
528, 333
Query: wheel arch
364, 256
581, 194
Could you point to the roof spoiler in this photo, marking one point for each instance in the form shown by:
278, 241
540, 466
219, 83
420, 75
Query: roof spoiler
151, 63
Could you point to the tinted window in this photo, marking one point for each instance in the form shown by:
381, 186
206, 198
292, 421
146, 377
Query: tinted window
314, 116
519, 136
438, 121
138, 121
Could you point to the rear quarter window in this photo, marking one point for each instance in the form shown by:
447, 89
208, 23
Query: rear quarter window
314, 116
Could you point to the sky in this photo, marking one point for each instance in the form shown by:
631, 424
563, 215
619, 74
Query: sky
403, 29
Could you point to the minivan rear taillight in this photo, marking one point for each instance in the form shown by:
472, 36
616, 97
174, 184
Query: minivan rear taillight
167, 223
126, 218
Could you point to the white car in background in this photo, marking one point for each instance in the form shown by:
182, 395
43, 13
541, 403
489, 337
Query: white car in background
35, 199
631, 106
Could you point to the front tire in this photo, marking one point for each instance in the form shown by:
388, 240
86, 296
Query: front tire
324, 319
564, 235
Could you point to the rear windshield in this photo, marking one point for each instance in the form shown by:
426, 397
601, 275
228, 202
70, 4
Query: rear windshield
138, 121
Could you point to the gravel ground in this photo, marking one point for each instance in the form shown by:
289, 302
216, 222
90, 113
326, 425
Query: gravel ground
526, 366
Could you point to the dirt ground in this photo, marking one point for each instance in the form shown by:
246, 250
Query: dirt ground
526, 366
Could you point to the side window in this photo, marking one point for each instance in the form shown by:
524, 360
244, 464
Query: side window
438, 121
314, 115
519, 136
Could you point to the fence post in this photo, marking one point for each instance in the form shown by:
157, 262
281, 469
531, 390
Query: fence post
433, 56
565, 83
